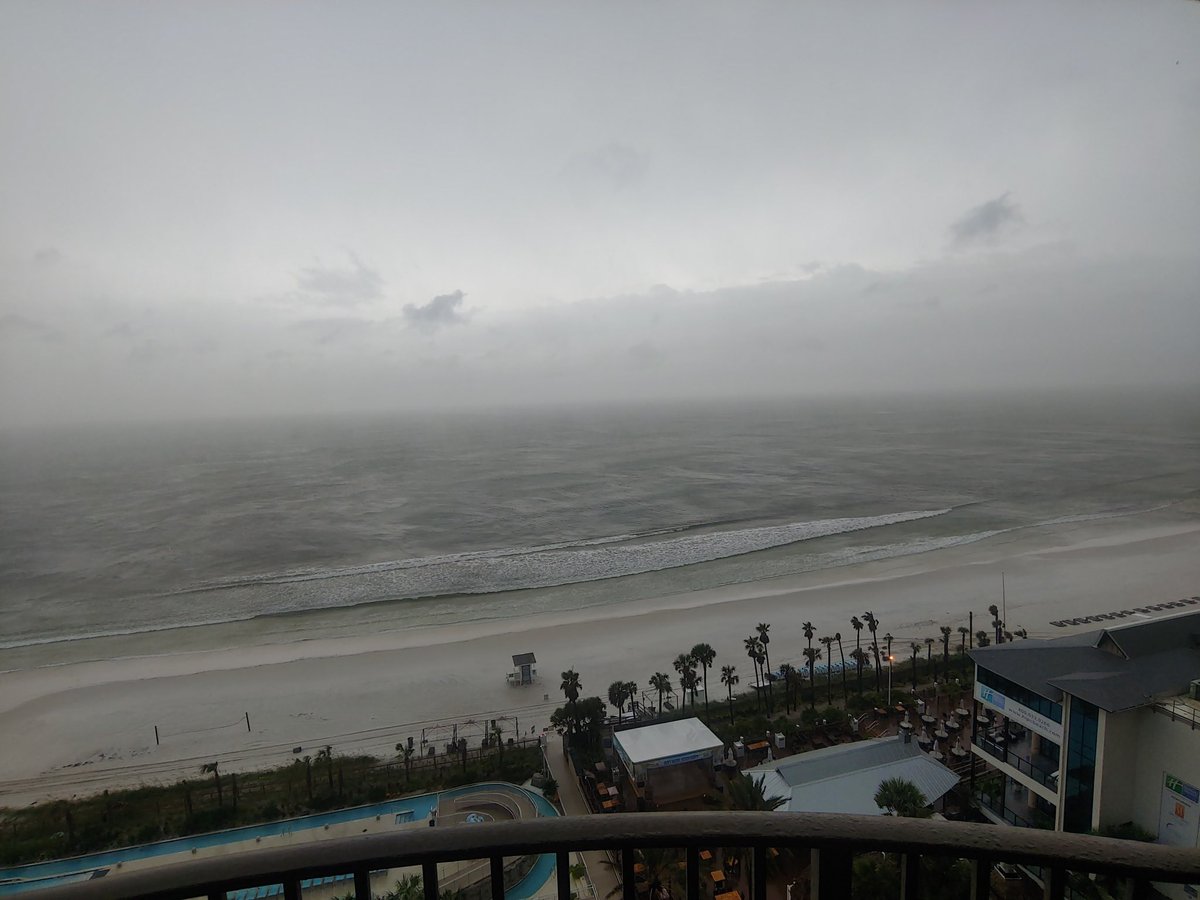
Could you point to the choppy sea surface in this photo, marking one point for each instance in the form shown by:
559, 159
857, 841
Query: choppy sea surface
121, 529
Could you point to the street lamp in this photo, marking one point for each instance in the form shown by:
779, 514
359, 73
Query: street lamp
890, 659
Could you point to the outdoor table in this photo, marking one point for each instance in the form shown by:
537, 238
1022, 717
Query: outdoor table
940, 734
728, 895
880, 711
614, 791
609, 804
706, 854
717, 875
601, 767
639, 868
953, 726
900, 708
983, 720
928, 719
961, 712
937, 755
757, 745
959, 751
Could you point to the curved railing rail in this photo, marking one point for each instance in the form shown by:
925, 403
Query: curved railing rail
831, 839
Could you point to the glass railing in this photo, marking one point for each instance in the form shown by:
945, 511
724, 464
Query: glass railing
1043, 775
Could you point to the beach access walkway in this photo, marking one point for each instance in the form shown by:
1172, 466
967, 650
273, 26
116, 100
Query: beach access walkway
602, 876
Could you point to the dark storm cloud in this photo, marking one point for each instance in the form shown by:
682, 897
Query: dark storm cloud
986, 221
442, 310
346, 286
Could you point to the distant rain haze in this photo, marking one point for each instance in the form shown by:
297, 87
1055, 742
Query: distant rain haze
212, 209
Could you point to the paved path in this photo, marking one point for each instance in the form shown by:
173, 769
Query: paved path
602, 876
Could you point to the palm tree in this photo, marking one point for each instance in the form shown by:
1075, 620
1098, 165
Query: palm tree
861, 658
788, 671
900, 797
660, 872
214, 767
929, 657
857, 625
825, 642
963, 632
873, 627
946, 632
812, 654
571, 687
996, 623
765, 639
809, 631
916, 651
616, 696
752, 650
746, 793
631, 689
981, 638
688, 682
684, 666
887, 640
661, 682
704, 654
842, 657
1022, 633
729, 679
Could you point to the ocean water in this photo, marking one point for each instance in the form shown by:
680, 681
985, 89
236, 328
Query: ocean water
118, 529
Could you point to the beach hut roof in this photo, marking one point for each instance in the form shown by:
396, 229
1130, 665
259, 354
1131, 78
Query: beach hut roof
523, 659
666, 741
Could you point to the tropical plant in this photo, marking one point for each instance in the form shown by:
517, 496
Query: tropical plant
900, 797
583, 718
788, 671
811, 655
689, 682
1021, 633
826, 642
616, 696
748, 793
929, 657
963, 632
729, 678
764, 638
704, 655
916, 651
325, 755
809, 632
661, 682
754, 652
946, 632
406, 753
873, 627
571, 686
842, 658
631, 689
215, 769
661, 872
981, 638
857, 625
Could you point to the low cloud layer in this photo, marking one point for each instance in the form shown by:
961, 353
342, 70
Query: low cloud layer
986, 222
439, 312
341, 286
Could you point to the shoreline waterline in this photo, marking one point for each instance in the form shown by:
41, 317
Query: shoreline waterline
81, 725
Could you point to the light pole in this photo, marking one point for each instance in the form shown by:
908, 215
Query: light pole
889, 659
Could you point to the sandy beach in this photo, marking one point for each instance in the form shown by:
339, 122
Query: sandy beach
79, 717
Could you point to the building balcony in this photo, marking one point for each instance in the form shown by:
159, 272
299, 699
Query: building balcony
1017, 754
824, 846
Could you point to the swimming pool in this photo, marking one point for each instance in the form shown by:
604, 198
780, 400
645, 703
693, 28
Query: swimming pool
18, 879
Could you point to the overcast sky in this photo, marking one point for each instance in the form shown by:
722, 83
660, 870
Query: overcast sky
211, 209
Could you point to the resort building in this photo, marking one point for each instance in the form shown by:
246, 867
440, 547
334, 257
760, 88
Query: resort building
844, 778
1094, 731
669, 762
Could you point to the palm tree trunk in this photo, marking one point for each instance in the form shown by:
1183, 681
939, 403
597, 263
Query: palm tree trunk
842, 657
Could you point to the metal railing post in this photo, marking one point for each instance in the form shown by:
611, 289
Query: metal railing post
692, 861
981, 878
830, 874
1056, 883
562, 872
497, 877
628, 885
362, 884
429, 876
758, 889
910, 876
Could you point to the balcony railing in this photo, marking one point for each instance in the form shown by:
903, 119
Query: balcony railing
830, 841
1042, 775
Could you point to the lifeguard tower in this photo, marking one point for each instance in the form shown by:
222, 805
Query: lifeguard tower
523, 672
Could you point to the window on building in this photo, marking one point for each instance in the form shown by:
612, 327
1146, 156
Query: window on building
1081, 766
1039, 704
